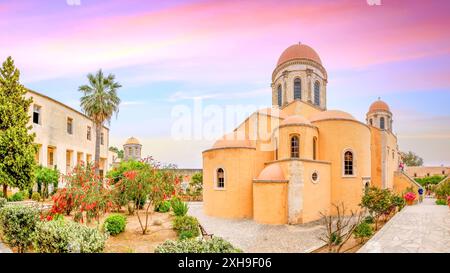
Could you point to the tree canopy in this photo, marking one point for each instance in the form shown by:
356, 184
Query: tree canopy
411, 159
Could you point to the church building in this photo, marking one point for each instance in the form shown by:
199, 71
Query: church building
291, 162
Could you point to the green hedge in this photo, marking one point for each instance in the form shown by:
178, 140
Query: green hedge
115, 224
214, 245
186, 226
18, 224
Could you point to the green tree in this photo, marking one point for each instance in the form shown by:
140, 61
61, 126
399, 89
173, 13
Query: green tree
117, 151
100, 102
411, 159
45, 177
17, 151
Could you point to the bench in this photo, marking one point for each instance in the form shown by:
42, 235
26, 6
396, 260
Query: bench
204, 233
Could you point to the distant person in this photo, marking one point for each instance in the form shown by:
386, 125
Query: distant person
402, 166
420, 195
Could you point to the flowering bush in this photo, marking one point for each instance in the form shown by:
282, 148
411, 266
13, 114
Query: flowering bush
410, 196
85, 193
214, 245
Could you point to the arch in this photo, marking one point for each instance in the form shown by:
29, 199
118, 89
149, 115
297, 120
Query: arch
295, 147
314, 148
348, 163
382, 123
317, 93
279, 96
297, 89
220, 178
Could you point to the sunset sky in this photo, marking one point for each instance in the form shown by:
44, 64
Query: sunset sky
166, 53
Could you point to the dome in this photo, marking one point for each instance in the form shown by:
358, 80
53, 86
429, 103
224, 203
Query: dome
299, 51
272, 172
132, 140
379, 105
296, 119
331, 114
232, 141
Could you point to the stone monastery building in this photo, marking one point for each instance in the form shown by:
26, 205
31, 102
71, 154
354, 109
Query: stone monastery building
288, 163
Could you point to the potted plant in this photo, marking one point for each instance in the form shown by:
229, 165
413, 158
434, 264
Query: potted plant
409, 197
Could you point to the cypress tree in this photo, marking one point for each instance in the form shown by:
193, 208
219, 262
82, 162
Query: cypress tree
17, 150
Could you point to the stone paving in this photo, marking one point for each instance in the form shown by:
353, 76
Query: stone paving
252, 237
423, 228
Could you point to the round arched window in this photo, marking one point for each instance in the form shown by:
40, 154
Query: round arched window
315, 177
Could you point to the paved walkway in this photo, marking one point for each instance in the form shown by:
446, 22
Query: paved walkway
423, 228
4, 249
258, 238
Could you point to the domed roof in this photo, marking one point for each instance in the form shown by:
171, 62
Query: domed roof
295, 119
273, 172
232, 140
132, 140
299, 51
379, 105
331, 114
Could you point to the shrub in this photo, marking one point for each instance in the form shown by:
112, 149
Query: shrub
3, 202
363, 231
115, 224
369, 220
214, 245
435, 179
441, 202
163, 206
36, 196
18, 196
378, 202
398, 201
442, 190
44, 177
179, 207
186, 226
17, 224
67, 237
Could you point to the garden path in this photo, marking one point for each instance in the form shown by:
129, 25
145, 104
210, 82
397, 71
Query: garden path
259, 238
422, 228
4, 249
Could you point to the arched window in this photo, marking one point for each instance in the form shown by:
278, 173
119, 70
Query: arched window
366, 187
297, 89
279, 96
348, 163
220, 178
317, 93
295, 147
314, 148
382, 123
371, 122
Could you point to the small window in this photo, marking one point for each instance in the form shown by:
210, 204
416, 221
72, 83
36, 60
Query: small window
382, 125
314, 148
443, 172
297, 89
348, 163
371, 122
89, 133
295, 147
317, 93
366, 187
428, 174
315, 177
36, 114
69, 126
279, 96
220, 178
415, 174
102, 138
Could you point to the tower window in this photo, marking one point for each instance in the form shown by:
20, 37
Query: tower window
317, 93
382, 125
348, 163
279, 96
36, 114
371, 122
295, 143
69, 126
314, 148
297, 89
220, 178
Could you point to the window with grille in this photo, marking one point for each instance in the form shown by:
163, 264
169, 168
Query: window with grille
220, 178
297, 89
348, 163
295, 147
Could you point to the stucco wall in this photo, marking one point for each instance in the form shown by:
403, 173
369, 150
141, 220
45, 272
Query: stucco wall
270, 202
402, 182
235, 200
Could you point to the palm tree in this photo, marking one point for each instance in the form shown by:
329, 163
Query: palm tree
100, 102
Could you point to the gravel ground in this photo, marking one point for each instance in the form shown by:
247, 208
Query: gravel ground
258, 238
4, 249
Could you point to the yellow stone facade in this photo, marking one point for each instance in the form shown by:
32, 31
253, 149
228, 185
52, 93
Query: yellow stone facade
64, 135
289, 163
